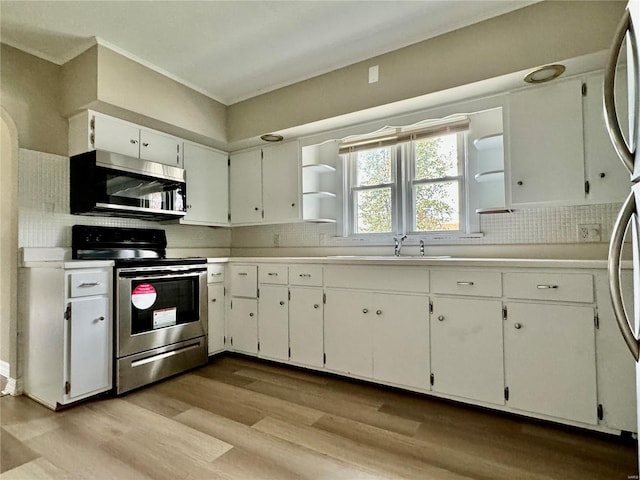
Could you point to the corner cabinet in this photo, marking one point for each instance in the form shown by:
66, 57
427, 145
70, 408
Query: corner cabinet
207, 173
68, 332
264, 185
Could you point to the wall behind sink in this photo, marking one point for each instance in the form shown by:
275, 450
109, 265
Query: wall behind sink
549, 232
44, 219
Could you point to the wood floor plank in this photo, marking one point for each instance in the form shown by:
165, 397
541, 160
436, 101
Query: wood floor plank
38, 469
303, 463
13, 452
345, 408
238, 362
380, 460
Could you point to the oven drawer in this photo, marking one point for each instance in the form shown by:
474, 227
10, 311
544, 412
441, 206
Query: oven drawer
215, 273
84, 284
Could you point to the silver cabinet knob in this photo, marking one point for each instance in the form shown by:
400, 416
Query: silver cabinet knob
213, 300
251, 314
315, 305
101, 318
145, 144
133, 141
441, 318
365, 310
517, 326
281, 302
378, 312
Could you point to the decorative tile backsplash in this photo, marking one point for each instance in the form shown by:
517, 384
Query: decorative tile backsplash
43, 196
43, 199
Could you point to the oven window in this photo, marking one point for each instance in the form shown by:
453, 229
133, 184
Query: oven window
163, 303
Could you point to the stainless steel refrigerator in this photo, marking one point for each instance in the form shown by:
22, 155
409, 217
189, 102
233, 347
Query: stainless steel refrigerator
625, 141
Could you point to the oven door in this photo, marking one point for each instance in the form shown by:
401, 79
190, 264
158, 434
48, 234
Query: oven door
158, 307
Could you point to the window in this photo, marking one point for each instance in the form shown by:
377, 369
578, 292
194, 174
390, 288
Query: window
406, 183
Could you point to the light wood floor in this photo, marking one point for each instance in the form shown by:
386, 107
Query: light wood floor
242, 419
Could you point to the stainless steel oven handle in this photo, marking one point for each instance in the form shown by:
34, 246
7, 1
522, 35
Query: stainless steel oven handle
155, 358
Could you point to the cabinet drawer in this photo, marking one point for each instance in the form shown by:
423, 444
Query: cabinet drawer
392, 279
310, 275
460, 282
215, 273
244, 280
278, 274
567, 287
84, 284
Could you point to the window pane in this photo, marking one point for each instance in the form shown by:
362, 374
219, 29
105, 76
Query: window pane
436, 157
437, 206
373, 211
374, 167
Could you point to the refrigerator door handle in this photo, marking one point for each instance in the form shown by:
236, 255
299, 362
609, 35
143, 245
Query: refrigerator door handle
615, 249
610, 113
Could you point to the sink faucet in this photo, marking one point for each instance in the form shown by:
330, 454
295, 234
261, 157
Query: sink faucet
422, 247
398, 244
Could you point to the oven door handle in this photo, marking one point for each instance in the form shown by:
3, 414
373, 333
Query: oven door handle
158, 274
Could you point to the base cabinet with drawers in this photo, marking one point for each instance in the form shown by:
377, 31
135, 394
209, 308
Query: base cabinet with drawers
540, 342
68, 331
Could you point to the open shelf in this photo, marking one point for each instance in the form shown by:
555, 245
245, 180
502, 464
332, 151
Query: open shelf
488, 142
320, 194
490, 176
319, 167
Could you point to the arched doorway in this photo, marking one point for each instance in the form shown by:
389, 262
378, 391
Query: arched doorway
8, 251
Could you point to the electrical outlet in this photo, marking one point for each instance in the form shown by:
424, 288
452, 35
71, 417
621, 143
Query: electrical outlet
589, 232
276, 239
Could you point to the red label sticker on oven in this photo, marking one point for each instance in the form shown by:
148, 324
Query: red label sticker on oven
143, 296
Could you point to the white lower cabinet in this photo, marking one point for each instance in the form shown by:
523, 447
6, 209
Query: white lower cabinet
243, 325
466, 348
306, 327
68, 332
273, 323
384, 336
216, 312
550, 360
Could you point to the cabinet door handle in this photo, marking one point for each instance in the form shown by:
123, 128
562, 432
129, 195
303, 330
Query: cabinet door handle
281, 302
378, 312
101, 318
315, 305
469, 284
243, 274
305, 275
145, 144
214, 300
546, 287
272, 274
251, 314
517, 326
89, 284
364, 310
133, 141
441, 318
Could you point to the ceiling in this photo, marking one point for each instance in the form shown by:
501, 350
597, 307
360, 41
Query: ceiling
234, 50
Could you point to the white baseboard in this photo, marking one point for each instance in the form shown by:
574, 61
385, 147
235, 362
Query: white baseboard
4, 369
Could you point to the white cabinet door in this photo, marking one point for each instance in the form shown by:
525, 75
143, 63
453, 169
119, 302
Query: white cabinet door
306, 330
207, 173
115, 136
347, 332
546, 153
216, 318
160, 148
401, 340
550, 360
608, 178
273, 323
466, 348
243, 325
245, 186
89, 346
281, 179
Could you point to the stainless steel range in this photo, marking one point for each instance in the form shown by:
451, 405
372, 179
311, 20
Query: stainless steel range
160, 303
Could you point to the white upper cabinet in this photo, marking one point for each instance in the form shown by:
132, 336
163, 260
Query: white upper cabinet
546, 149
608, 178
245, 187
207, 173
91, 130
265, 185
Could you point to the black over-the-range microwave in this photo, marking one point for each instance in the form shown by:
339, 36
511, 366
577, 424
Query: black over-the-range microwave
105, 183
